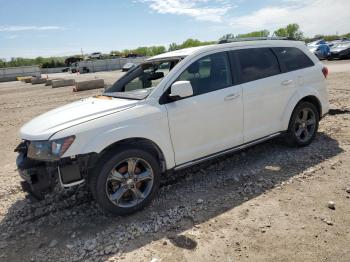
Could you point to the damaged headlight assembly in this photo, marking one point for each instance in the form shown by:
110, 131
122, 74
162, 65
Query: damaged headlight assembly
49, 150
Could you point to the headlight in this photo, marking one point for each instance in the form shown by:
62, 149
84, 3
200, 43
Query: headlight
49, 150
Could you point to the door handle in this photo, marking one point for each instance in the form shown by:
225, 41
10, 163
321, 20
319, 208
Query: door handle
286, 82
232, 97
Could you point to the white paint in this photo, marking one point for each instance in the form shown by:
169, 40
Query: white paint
191, 128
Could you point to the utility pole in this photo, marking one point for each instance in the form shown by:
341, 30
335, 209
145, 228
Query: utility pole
82, 54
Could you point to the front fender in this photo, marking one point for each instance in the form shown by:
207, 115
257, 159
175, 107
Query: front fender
105, 139
146, 122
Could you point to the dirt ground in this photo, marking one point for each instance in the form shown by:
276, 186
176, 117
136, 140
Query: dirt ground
267, 203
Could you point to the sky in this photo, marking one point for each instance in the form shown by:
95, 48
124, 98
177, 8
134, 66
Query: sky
30, 28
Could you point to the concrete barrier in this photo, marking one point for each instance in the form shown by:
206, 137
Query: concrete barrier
23, 78
88, 85
36, 81
49, 81
63, 82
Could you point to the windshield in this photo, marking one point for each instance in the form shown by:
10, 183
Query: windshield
139, 81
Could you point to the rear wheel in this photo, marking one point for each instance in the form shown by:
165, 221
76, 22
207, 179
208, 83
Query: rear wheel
126, 181
303, 124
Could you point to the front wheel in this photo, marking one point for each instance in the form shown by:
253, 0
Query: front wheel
126, 181
303, 124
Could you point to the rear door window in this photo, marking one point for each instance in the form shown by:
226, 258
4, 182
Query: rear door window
292, 58
256, 63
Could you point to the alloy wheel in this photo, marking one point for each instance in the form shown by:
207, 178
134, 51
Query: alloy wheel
305, 125
129, 182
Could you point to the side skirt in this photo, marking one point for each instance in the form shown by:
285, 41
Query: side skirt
227, 151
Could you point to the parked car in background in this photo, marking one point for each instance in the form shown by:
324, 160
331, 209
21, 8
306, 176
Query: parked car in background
72, 59
74, 68
337, 41
173, 111
132, 55
320, 48
96, 55
128, 66
340, 50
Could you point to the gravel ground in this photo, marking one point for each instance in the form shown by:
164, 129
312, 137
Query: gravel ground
267, 203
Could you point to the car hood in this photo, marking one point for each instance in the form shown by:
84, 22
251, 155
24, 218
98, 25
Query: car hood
338, 48
312, 48
49, 123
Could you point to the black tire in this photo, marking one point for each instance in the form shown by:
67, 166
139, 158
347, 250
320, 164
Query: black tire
297, 123
98, 182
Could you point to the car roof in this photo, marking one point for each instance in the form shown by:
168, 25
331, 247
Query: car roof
178, 53
189, 51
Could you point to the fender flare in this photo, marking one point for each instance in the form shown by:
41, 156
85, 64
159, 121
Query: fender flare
294, 100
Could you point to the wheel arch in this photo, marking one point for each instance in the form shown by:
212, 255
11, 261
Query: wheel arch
140, 143
310, 96
313, 100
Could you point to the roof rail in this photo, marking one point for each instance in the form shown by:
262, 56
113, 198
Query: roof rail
230, 40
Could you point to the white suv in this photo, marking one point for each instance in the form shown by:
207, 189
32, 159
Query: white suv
173, 111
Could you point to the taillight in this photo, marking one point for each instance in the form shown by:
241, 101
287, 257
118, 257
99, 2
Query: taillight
325, 72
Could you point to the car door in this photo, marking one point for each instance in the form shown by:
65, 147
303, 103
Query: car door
212, 119
265, 91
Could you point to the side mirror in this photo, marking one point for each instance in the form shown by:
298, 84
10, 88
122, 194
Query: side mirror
181, 89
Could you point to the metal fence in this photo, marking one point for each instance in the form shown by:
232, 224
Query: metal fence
11, 73
108, 64
52, 70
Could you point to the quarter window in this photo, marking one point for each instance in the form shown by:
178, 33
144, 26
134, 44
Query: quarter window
256, 63
208, 74
292, 58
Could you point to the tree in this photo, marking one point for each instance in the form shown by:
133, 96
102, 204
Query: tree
155, 50
173, 47
116, 53
281, 32
193, 43
262, 33
190, 43
227, 36
291, 31
141, 51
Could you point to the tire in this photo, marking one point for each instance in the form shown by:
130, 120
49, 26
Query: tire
116, 193
303, 125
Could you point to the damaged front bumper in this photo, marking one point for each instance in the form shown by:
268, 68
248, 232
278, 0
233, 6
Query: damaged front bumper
40, 177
